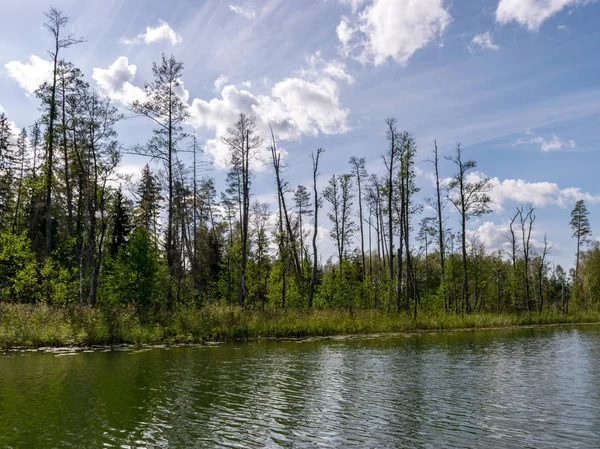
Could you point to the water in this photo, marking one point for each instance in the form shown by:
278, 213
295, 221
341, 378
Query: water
510, 388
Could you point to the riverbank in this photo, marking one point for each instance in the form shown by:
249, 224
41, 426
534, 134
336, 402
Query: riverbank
35, 326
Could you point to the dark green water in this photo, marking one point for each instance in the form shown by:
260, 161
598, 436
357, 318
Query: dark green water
511, 388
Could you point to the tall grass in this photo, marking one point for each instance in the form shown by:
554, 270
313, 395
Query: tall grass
40, 325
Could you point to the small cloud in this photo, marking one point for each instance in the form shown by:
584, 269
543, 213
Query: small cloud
484, 41
220, 82
563, 27
553, 144
162, 32
247, 84
247, 13
556, 144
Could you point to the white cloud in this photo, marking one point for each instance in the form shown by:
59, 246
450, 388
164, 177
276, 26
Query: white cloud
532, 13
563, 27
116, 81
221, 81
247, 84
485, 41
345, 32
496, 237
161, 32
554, 144
307, 104
303, 105
492, 236
393, 29
247, 13
30, 75
540, 194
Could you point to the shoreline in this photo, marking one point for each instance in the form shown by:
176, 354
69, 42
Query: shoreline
144, 347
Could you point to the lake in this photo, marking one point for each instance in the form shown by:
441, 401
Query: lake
529, 387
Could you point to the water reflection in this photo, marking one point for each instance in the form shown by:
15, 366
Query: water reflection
512, 388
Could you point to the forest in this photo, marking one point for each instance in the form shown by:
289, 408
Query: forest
72, 236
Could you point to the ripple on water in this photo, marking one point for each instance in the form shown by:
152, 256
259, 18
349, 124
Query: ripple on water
538, 388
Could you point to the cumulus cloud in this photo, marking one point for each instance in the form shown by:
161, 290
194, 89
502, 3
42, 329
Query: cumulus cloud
307, 104
540, 194
391, 29
492, 236
302, 105
247, 13
532, 13
484, 41
116, 81
221, 81
161, 32
30, 75
554, 144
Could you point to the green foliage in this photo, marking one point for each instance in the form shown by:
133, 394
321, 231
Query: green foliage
136, 275
19, 279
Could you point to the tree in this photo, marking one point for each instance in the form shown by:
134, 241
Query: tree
121, 225
288, 247
360, 173
439, 207
164, 106
389, 160
339, 194
470, 199
527, 220
407, 190
21, 165
427, 232
580, 224
303, 204
513, 256
316, 205
243, 142
55, 22
7, 161
148, 192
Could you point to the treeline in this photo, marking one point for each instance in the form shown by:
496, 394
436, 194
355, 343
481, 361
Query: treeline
70, 234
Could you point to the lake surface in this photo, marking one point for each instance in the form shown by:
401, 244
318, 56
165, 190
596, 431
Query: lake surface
535, 387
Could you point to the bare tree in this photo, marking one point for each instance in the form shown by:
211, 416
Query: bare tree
316, 205
360, 173
542, 269
389, 161
288, 246
438, 205
470, 199
513, 255
527, 219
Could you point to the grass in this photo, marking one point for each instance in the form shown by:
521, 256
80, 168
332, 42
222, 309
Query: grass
23, 325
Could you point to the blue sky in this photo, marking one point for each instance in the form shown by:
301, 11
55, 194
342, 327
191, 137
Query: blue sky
516, 81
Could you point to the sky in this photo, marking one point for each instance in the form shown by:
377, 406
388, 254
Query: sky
516, 82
